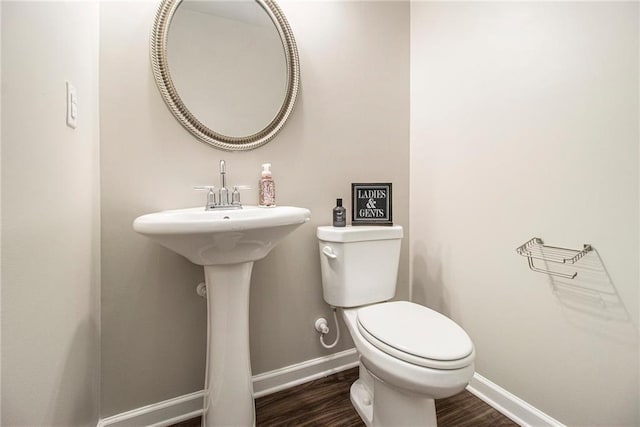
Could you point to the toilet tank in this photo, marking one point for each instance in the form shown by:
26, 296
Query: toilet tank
359, 264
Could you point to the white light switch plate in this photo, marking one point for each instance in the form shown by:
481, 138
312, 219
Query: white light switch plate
72, 106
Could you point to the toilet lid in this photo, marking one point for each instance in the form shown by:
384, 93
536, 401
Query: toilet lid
416, 334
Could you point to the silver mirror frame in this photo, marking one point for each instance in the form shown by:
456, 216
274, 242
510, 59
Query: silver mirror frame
159, 65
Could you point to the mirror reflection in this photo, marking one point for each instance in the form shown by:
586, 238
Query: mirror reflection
228, 64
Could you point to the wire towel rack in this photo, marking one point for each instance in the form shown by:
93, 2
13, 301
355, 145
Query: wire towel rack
536, 249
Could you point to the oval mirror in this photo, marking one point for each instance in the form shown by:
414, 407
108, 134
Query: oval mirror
227, 70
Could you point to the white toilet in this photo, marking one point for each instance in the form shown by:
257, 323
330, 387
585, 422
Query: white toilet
409, 354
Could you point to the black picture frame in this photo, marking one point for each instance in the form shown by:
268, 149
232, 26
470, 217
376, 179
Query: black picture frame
371, 204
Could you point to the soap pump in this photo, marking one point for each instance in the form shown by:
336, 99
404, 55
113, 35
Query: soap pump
267, 187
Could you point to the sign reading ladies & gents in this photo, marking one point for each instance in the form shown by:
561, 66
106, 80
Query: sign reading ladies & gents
371, 204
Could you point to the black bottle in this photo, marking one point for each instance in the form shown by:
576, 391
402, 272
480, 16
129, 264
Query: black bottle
339, 215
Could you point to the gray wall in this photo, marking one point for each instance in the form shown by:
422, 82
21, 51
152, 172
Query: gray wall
524, 122
50, 216
351, 124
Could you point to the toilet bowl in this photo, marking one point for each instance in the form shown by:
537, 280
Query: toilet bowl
409, 354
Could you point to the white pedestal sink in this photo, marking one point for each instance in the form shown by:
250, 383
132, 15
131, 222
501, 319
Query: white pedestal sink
226, 243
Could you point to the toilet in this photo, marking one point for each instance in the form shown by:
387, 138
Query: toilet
409, 355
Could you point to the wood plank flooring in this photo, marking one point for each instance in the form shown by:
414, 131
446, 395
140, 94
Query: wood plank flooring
325, 402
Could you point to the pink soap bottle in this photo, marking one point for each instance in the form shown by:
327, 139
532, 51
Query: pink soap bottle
267, 188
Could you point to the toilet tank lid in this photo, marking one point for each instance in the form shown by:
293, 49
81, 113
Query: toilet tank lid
359, 233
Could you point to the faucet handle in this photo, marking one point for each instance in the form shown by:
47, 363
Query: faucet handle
235, 196
211, 195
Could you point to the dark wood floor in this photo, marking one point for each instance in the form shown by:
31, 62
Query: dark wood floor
325, 402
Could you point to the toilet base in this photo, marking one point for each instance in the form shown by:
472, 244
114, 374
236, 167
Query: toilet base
380, 404
362, 401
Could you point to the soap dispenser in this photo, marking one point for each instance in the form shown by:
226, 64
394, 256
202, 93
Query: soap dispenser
267, 187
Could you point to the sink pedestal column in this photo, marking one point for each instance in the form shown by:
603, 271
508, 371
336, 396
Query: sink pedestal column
229, 388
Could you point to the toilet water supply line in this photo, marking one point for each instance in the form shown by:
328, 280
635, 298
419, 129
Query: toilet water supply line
322, 327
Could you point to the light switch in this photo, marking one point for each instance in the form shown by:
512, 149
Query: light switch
72, 106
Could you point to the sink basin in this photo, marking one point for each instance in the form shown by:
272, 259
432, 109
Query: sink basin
226, 243
224, 236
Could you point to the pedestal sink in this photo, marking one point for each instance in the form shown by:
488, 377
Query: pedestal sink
226, 243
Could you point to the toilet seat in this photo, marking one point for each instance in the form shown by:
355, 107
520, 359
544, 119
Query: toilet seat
416, 334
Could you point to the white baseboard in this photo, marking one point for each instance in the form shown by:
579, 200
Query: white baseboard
190, 406
159, 414
510, 405
291, 376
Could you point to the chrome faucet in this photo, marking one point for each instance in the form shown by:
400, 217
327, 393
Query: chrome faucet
222, 201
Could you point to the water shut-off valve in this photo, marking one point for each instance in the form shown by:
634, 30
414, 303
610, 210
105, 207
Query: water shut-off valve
322, 327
